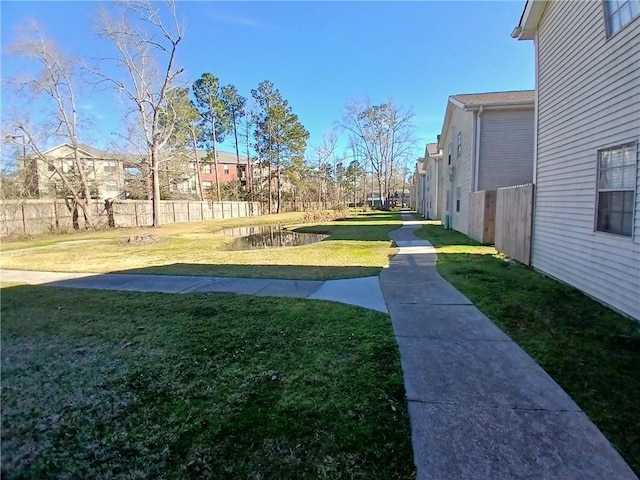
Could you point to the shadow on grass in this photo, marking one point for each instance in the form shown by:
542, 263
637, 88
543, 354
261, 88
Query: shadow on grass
289, 272
100, 384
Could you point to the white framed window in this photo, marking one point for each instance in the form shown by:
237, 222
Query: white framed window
205, 168
111, 186
619, 13
458, 195
617, 168
207, 186
110, 166
225, 169
459, 149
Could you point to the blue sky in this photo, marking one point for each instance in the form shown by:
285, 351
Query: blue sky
319, 54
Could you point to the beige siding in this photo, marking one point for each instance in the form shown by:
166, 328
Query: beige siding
433, 188
588, 99
506, 148
461, 121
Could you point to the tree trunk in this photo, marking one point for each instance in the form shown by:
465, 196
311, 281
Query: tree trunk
249, 169
270, 188
156, 185
215, 156
235, 136
195, 153
278, 183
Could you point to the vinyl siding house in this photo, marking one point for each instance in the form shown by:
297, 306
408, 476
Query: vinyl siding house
487, 142
104, 171
418, 197
434, 180
586, 224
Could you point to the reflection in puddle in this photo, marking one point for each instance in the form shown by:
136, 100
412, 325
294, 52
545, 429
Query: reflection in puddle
251, 238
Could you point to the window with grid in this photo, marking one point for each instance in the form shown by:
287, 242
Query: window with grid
205, 168
616, 189
619, 13
110, 166
207, 186
459, 144
225, 169
458, 194
111, 186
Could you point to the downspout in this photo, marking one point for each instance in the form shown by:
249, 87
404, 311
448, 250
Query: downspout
437, 190
476, 167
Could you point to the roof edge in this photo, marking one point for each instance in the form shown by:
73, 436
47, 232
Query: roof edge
528, 26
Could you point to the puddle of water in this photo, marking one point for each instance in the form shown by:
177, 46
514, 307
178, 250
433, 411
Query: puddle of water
253, 238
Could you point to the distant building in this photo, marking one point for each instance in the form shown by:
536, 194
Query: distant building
105, 172
487, 142
112, 175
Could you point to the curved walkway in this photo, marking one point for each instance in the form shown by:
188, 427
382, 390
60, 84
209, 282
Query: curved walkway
480, 407
363, 292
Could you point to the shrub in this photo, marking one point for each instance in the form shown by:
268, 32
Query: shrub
317, 216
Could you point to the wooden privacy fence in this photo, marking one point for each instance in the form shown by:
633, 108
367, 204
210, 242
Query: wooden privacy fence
482, 216
30, 217
514, 213
139, 213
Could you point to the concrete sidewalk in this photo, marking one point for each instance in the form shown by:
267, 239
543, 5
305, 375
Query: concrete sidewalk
362, 292
480, 407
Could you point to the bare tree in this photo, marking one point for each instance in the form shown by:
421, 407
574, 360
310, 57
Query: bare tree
146, 47
324, 161
56, 80
383, 135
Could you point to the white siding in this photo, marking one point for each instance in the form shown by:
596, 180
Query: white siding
434, 195
461, 121
506, 148
588, 99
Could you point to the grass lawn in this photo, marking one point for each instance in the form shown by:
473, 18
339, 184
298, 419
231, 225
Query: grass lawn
143, 385
357, 247
593, 352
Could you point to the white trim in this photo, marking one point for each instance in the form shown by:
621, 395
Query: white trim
535, 113
531, 16
476, 160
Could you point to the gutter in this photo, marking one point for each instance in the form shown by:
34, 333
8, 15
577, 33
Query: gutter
476, 167
500, 105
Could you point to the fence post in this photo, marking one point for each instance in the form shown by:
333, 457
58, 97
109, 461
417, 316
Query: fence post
24, 223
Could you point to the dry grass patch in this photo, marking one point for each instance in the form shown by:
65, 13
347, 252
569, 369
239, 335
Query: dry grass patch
356, 247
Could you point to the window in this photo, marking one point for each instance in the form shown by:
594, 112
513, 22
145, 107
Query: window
619, 13
205, 168
207, 186
51, 168
447, 201
616, 189
449, 156
459, 150
225, 169
111, 186
458, 199
110, 166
